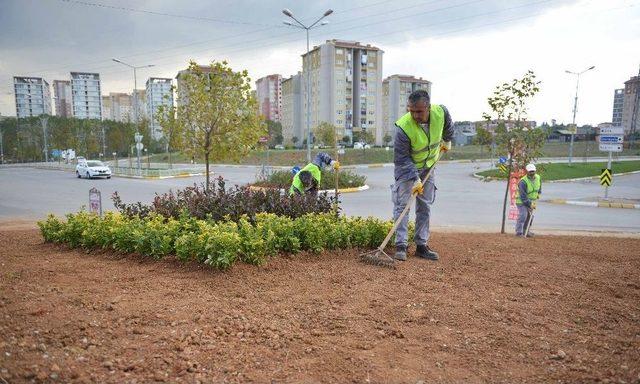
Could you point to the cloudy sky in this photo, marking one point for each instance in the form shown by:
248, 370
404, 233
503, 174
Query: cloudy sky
465, 47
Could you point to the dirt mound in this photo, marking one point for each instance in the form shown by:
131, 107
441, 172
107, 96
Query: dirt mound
493, 309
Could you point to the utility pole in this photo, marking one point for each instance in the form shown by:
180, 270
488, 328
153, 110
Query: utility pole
575, 107
307, 28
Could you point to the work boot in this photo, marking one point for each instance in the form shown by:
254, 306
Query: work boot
530, 234
425, 252
401, 253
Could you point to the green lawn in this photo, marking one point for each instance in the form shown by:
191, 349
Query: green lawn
292, 157
562, 171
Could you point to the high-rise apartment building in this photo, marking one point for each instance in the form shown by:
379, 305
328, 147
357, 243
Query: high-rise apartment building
86, 96
631, 105
269, 95
62, 98
395, 93
180, 92
618, 102
118, 106
158, 93
346, 79
33, 97
293, 120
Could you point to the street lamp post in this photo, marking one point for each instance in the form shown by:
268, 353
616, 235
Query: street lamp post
137, 136
575, 107
288, 13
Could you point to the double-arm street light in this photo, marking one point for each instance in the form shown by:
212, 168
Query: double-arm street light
575, 106
138, 137
300, 25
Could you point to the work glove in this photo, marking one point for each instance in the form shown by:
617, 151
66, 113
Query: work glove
335, 164
533, 205
417, 188
445, 146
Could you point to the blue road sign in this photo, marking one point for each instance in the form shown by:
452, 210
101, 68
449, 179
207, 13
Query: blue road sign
502, 160
611, 139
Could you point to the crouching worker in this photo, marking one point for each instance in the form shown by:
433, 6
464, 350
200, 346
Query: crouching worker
307, 181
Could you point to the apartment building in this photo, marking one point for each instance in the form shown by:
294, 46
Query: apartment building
395, 93
346, 79
32, 96
86, 96
269, 96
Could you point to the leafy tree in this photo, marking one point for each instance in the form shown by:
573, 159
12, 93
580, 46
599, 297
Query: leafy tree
387, 139
509, 103
294, 140
172, 129
325, 134
483, 138
218, 113
274, 130
346, 139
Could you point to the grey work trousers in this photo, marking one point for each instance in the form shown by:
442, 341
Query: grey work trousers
523, 219
400, 194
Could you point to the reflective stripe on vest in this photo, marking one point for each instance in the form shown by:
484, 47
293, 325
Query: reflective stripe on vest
424, 148
532, 188
297, 184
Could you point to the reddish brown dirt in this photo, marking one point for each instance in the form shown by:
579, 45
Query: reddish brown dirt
494, 309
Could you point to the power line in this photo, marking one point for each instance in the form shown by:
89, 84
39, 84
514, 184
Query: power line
156, 13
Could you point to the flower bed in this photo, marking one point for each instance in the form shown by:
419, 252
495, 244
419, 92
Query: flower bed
283, 179
218, 244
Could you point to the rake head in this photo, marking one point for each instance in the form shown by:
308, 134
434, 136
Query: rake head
378, 257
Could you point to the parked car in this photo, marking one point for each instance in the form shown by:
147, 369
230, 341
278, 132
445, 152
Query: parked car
92, 168
279, 146
361, 145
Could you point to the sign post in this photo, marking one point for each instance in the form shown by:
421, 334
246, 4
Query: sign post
95, 201
610, 140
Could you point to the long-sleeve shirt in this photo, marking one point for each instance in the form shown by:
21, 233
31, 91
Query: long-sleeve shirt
522, 191
404, 168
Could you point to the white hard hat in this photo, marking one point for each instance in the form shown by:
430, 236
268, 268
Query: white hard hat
530, 168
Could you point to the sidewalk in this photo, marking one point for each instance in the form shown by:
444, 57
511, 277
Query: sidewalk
598, 202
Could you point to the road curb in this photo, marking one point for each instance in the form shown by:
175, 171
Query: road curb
596, 204
491, 178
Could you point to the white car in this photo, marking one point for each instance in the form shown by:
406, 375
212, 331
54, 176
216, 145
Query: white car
361, 145
92, 168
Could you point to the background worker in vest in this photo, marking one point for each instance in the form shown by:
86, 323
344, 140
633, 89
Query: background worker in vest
308, 179
421, 134
529, 190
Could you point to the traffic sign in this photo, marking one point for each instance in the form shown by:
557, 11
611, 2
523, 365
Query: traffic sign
502, 160
263, 139
612, 131
572, 129
95, 201
610, 147
139, 146
611, 139
503, 168
605, 177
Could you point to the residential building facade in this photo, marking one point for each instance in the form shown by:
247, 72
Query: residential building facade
117, 106
86, 95
293, 120
269, 96
631, 105
32, 96
158, 93
618, 103
62, 98
395, 94
346, 79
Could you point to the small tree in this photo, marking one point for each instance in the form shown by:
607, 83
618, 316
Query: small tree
483, 138
387, 139
172, 129
325, 133
218, 113
523, 144
274, 130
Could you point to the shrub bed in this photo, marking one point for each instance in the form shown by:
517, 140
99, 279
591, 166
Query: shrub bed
218, 244
221, 204
283, 179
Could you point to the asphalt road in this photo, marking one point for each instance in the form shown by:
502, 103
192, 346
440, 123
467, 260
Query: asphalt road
462, 201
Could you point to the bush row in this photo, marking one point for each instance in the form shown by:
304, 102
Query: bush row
218, 244
221, 204
283, 179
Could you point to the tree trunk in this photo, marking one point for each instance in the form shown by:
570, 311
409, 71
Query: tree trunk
206, 167
506, 194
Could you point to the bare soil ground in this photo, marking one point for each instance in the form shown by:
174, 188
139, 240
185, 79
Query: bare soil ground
493, 309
